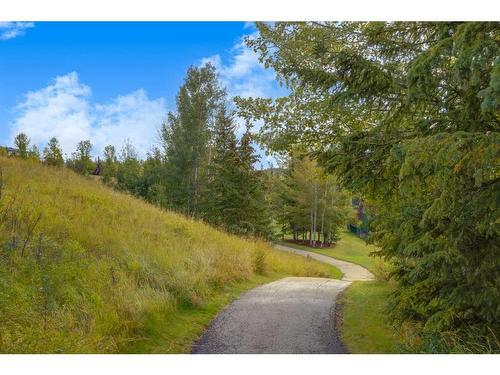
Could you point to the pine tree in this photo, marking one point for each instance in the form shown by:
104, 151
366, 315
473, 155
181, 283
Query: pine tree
221, 198
254, 209
52, 154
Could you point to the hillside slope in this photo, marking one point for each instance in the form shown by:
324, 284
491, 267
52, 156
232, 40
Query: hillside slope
84, 268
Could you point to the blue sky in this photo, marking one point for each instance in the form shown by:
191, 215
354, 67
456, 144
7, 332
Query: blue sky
107, 81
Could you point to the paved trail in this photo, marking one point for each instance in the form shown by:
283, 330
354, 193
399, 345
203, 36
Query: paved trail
351, 271
291, 315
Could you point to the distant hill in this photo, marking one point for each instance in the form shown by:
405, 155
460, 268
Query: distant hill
84, 268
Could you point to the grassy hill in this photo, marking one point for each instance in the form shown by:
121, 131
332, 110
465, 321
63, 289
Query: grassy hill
84, 268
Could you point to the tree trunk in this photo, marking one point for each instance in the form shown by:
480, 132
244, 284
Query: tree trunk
323, 214
315, 213
195, 190
312, 215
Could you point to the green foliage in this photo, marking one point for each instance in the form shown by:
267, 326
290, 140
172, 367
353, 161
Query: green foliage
110, 164
407, 114
186, 137
222, 198
22, 143
129, 170
153, 185
52, 154
254, 218
309, 203
444, 230
234, 197
81, 161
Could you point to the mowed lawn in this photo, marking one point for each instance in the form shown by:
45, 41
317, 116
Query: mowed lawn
351, 249
364, 327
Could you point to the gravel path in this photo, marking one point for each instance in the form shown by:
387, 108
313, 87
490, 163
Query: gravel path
293, 315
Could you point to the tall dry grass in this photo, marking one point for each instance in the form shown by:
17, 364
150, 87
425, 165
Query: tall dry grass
84, 268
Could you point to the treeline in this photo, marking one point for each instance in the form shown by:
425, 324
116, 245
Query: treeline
308, 203
201, 169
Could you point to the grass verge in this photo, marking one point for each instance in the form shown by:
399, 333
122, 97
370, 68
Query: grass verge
364, 327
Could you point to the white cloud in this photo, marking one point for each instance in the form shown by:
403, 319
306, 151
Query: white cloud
133, 116
64, 109
9, 30
249, 25
243, 74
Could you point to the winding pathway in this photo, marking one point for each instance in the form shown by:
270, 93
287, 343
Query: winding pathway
351, 271
291, 315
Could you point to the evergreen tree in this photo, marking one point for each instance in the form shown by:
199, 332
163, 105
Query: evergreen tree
52, 154
275, 183
222, 198
254, 209
186, 137
22, 144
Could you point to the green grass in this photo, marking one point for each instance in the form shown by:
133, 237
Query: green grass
364, 327
353, 249
335, 273
85, 269
349, 248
